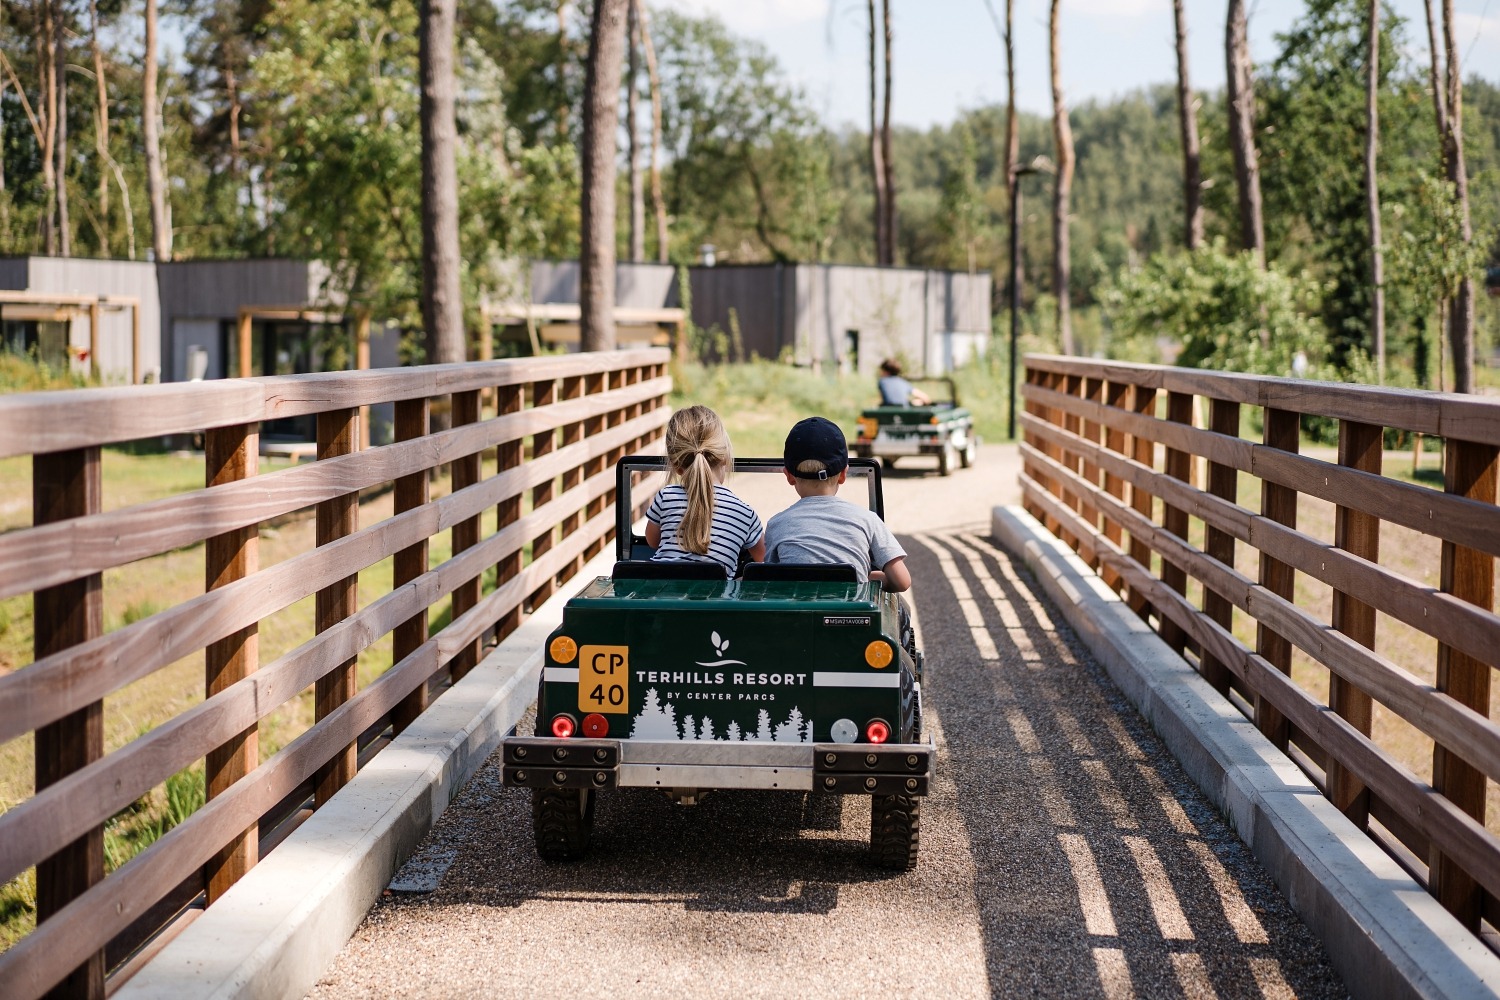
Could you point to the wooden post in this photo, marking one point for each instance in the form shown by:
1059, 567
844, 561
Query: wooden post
242, 333
1116, 395
508, 512
1223, 482
1179, 465
1279, 504
593, 385
1073, 386
335, 519
1036, 379
1093, 390
230, 455
572, 388
362, 363
1143, 450
413, 420
66, 485
135, 342
543, 394
94, 338
1358, 533
466, 472
1468, 574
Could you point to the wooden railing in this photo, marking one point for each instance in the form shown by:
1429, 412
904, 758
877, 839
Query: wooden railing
554, 426
1402, 742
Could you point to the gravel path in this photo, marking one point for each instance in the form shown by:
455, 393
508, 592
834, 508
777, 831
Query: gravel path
1064, 852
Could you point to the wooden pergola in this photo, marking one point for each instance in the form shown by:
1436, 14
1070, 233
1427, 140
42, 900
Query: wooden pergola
310, 314
66, 307
535, 315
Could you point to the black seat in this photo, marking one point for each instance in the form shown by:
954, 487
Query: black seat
645, 569
802, 572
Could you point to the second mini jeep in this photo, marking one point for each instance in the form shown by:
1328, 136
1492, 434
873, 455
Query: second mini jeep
940, 428
667, 675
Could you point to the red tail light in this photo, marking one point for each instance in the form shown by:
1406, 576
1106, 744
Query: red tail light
595, 726
563, 726
876, 731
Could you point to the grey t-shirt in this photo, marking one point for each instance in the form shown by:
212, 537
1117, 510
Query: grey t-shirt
825, 529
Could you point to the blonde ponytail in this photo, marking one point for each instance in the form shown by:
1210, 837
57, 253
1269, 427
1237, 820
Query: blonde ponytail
698, 452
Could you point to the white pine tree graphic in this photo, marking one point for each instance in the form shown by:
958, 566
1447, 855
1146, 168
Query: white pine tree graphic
708, 729
790, 731
656, 721
689, 729
763, 726
734, 732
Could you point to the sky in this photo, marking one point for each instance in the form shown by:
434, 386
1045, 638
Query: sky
948, 56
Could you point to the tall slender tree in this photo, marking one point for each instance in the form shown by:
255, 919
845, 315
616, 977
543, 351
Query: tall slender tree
1062, 189
60, 75
1187, 116
46, 47
1241, 92
658, 203
888, 161
601, 120
156, 188
632, 134
1372, 191
1461, 314
101, 125
877, 158
442, 298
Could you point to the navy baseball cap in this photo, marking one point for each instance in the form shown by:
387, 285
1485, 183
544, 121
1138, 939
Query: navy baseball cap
816, 438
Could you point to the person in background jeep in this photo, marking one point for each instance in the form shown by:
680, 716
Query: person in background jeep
897, 391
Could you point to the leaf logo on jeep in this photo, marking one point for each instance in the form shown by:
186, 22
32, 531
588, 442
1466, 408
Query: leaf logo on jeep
720, 645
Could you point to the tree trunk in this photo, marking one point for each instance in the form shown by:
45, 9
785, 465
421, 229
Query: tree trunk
1434, 71
1241, 92
877, 162
888, 162
1372, 193
60, 71
101, 125
1062, 133
658, 204
156, 188
601, 109
442, 298
564, 65
47, 72
1187, 112
632, 105
1012, 143
1461, 315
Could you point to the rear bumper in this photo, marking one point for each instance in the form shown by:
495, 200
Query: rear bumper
834, 768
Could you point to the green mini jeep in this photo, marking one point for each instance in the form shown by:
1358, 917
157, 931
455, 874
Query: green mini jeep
941, 428
666, 675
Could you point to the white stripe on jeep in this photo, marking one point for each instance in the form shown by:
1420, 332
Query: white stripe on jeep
562, 675
849, 680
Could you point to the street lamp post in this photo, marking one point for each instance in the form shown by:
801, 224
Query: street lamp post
1040, 165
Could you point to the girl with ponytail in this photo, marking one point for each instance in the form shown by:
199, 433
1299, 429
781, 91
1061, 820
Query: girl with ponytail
696, 518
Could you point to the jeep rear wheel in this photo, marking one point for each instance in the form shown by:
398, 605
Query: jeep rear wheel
562, 820
970, 453
894, 825
946, 458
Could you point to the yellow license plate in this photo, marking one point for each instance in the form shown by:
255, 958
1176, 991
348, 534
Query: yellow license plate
604, 679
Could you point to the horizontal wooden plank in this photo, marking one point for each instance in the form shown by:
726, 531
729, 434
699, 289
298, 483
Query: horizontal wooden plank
33, 964
40, 422
1459, 624
35, 423
1471, 736
294, 395
1465, 417
1450, 830
31, 830
56, 685
45, 556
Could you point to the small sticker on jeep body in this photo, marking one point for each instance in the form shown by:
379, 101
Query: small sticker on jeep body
858, 620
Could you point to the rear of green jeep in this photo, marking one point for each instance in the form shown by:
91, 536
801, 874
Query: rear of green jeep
692, 685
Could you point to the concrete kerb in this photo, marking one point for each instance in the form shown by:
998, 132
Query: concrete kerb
274, 933
1385, 935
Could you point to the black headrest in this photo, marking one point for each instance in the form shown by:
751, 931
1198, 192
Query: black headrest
645, 569
802, 572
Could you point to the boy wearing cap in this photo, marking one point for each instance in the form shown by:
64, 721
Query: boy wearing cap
821, 528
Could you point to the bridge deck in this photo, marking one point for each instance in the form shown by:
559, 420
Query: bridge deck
1064, 852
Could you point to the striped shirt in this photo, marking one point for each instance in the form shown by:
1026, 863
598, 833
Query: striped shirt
734, 528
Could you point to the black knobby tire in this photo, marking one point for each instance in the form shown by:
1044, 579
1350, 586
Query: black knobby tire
969, 454
895, 822
562, 820
945, 459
